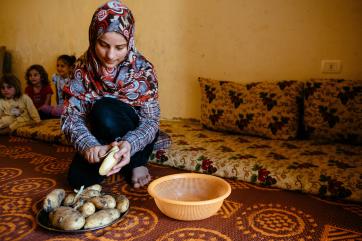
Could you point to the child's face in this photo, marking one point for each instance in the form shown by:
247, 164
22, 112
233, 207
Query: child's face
63, 69
34, 77
8, 91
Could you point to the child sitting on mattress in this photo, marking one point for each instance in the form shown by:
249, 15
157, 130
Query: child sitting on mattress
16, 109
39, 90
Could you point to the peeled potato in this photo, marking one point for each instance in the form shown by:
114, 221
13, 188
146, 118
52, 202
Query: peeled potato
53, 200
108, 162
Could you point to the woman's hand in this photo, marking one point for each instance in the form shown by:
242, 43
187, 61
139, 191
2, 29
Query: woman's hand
123, 156
96, 153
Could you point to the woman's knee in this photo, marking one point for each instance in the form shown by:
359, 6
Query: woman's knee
112, 113
111, 118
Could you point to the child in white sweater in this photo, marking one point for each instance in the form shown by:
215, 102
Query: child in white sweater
16, 108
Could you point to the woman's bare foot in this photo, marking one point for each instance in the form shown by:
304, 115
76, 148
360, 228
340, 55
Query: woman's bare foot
140, 176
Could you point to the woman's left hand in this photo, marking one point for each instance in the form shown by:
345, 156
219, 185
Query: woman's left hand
123, 156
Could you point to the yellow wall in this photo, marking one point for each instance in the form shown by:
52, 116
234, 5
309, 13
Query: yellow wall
239, 40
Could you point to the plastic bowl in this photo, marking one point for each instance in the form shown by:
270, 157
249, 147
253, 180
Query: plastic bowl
189, 196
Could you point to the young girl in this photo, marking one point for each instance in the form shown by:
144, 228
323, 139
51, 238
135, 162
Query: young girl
16, 109
39, 89
65, 64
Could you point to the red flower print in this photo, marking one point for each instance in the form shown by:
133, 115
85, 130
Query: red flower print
206, 163
334, 186
102, 15
262, 174
160, 153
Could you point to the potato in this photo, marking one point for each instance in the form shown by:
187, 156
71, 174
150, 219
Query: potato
101, 218
108, 162
89, 193
78, 203
96, 187
53, 200
69, 199
106, 201
87, 209
122, 203
66, 218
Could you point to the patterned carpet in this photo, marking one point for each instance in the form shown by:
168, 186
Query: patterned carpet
29, 169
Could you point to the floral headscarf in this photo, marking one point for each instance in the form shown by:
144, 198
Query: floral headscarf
133, 81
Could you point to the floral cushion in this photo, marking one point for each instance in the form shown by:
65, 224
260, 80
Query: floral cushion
333, 110
328, 170
49, 130
267, 109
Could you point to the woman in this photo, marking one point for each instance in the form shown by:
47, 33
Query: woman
112, 100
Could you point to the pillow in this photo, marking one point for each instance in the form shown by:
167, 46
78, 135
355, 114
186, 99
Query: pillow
213, 104
267, 109
333, 110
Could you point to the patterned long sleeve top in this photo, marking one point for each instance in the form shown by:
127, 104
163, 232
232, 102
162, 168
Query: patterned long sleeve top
75, 127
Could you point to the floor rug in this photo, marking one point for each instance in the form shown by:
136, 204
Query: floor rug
30, 169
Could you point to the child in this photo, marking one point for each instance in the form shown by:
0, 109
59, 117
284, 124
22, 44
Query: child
39, 89
65, 64
16, 109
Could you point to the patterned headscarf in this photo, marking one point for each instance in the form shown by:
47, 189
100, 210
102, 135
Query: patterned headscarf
133, 81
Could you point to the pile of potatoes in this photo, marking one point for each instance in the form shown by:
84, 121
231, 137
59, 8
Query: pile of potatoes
87, 208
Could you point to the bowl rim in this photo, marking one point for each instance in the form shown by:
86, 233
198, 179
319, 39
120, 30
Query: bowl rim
155, 182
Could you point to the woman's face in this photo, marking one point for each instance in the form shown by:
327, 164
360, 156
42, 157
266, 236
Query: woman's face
111, 49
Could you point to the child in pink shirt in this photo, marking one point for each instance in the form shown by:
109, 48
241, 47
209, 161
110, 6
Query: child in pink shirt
39, 90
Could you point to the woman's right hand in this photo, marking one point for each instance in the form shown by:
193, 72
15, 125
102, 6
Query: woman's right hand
96, 153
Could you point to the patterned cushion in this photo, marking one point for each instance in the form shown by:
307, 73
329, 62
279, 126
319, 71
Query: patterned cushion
333, 110
47, 130
213, 104
267, 109
328, 169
